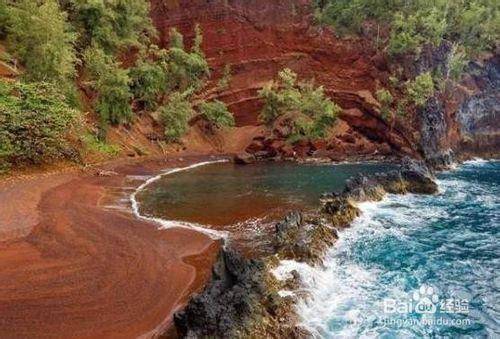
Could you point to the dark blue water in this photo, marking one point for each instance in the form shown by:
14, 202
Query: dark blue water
415, 265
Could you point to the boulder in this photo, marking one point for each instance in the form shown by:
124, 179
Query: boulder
244, 158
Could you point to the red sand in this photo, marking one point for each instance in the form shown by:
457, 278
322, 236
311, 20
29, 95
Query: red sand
70, 268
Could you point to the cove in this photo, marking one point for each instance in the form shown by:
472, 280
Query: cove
246, 200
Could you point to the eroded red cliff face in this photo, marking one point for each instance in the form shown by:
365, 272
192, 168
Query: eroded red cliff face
257, 38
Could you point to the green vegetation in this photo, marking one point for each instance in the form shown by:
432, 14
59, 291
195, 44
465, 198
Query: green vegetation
303, 104
110, 25
39, 36
217, 113
112, 85
473, 24
57, 42
456, 63
35, 122
421, 89
149, 80
175, 115
186, 70
386, 99
92, 143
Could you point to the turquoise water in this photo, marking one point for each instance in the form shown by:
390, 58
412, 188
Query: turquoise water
441, 250
410, 266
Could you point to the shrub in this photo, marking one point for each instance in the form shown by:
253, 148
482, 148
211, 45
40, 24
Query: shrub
42, 40
404, 37
175, 116
198, 40
112, 86
217, 113
94, 144
186, 70
385, 98
456, 63
421, 89
176, 39
35, 121
305, 105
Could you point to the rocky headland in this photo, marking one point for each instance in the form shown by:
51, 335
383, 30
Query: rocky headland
242, 298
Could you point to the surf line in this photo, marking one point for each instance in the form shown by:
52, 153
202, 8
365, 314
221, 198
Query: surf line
176, 223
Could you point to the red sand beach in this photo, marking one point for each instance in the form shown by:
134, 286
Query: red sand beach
71, 268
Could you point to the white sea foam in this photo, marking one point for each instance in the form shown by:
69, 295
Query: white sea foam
476, 161
340, 283
175, 223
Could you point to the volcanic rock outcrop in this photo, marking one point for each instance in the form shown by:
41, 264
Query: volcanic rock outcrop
242, 298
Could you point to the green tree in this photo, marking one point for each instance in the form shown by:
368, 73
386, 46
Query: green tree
307, 108
111, 83
217, 113
149, 80
457, 60
176, 39
198, 40
40, 37
175, 115
186, 70
112, 24
404, 37
421, 89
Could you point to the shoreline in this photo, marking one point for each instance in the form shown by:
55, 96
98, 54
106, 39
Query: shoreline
50, 237
254, 301
68, 271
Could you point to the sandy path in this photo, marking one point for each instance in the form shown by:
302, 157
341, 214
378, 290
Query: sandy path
84, 271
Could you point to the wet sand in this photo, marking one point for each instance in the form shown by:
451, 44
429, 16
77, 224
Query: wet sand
71, 268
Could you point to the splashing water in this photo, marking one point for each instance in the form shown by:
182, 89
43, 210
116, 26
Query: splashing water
443, 249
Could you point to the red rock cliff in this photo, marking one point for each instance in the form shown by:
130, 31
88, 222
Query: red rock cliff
257, 38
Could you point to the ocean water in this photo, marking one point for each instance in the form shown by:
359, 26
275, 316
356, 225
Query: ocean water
242, 202
410, 266
224, 193
413, 266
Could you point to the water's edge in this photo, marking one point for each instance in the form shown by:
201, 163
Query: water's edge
175, 223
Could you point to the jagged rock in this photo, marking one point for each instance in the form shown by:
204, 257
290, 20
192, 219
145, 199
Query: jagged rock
339, 209
418, 177
413, 176
288, 227
240, 300
244, 159
229, 300
304, 238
